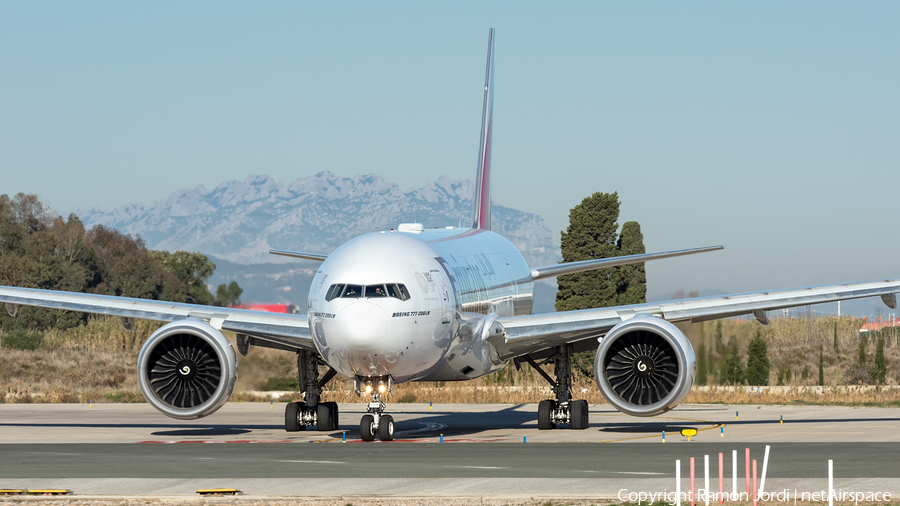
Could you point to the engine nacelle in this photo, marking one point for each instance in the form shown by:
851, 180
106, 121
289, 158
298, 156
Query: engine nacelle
187, 369
645, 366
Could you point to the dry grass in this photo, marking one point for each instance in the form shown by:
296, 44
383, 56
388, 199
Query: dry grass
97, 362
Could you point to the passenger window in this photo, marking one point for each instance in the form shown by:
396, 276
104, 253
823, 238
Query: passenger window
352, 292
375, 291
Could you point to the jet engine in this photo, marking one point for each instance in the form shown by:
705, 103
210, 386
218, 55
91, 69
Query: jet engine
645, 366
187, 369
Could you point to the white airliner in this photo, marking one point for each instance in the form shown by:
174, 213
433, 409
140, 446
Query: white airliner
417, 304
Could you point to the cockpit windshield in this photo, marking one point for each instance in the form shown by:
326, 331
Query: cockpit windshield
394, 290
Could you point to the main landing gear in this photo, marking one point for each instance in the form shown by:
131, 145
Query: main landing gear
375, 421
562, 410
299, 415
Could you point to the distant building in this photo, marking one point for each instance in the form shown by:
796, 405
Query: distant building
271, 308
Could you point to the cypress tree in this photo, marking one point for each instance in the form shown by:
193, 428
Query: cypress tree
821, 368
880, 366
862, 352
720, 346
631, 279
591, 234
757, 362
836, 350
701, 364
710, 369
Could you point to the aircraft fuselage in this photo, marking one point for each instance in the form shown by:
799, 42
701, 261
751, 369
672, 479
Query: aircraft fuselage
411, 304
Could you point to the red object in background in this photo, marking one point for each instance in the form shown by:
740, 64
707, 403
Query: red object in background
269, 308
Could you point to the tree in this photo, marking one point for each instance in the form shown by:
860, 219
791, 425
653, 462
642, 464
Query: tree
228, 295
757, 361
880, 365
592, 234
731, 369
837, 351
193, 269
821, 368
862, 352
701, 364
720, 345
710, 367
632, 278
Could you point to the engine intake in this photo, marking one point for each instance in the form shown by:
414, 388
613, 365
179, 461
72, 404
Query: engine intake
187, 369
645, 366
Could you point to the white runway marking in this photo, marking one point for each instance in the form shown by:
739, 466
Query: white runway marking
476, 467
313, 461
627, 472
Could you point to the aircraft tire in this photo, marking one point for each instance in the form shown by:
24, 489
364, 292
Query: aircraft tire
545, 408
579, 415
367, 428
324, 420
386, 428
292, 417
335, 415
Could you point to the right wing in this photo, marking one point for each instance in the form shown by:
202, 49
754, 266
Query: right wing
284, 330
601, 263
530, 333
297, 254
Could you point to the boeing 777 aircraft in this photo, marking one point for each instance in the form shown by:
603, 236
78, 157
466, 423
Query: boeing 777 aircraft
417, 304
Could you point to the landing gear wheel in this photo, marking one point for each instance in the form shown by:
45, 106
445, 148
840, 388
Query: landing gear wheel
323, 417
386, 428
579, 415
367, 428
292, 417
335, 419
545, 409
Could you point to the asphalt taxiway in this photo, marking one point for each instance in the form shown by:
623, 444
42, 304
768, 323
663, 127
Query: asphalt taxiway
132, 449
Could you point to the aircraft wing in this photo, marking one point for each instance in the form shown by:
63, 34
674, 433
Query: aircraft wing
532, 333
284, 330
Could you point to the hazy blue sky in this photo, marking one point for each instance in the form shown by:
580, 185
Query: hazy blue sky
771, 128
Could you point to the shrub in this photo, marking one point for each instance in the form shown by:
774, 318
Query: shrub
280, 384
22, 340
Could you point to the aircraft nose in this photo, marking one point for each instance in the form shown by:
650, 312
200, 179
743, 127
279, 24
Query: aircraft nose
363, 326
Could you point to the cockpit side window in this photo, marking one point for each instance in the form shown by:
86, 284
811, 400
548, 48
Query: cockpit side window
352, 292
333, 292
393, 291
404, 293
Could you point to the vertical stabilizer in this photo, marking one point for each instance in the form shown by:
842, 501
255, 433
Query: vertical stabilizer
482, 218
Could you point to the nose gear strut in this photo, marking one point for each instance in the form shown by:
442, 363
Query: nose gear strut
563, 410
299, 415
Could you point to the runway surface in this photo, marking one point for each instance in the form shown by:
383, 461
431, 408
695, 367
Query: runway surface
93, 450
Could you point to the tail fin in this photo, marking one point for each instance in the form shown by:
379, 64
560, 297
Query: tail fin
482, 218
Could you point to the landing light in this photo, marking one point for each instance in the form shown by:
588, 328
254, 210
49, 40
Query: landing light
368, 389
382, 389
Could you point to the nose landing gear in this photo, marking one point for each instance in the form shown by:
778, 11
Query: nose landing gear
375, 421
299, 415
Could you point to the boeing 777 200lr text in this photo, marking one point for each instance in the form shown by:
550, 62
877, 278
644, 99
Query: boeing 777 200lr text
416, 304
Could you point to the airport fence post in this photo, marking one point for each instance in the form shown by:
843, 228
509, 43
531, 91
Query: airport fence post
747, 470
693, 488
721, 477
706, 479
734, 496
678, 483
830, 483
755, 495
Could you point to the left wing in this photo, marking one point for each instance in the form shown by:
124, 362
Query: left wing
284, 330
531, 333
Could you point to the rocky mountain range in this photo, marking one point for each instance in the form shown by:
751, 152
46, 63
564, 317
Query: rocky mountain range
237, 222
